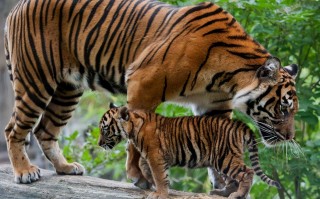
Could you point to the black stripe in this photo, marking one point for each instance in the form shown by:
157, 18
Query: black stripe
134, 29
210, 23
254, 164
63, 103
26, 105
93, 11
193, 157
238, 37
185, 85
229, 75
213, 80
214, 45
151, 19
215, 31
192, 10
72, 7
106, 47
94, 31
163, 98
61, 30
78, 16
43, 43
163, 25
171, 42
245, 55
232, 22
47, 11
208, 14
59, 116
34, 16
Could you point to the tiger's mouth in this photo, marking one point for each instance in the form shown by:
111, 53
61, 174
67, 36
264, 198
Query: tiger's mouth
270, 136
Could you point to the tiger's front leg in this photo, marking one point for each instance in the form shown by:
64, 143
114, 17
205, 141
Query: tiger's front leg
142, 94
25, 114
133, 168
55, 117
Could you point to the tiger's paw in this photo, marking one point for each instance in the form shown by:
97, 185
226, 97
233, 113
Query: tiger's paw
156, 195
71, 169
26, 176
142, 183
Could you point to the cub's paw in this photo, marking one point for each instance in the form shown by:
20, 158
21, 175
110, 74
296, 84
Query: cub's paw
27, 175
219, 192
236, 195
71, 169
227, 190
156, 195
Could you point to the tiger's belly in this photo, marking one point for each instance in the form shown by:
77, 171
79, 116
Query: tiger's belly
89, 79
202, 103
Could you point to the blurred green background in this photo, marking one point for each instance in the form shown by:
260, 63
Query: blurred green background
290, 30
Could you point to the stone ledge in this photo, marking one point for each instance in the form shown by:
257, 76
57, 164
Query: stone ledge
52, 185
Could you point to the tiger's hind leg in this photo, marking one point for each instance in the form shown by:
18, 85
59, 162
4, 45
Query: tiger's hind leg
56, 116
29, 105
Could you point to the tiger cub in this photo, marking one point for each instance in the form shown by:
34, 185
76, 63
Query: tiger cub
191, 142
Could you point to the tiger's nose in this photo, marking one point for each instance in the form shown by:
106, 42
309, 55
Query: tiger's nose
289, 136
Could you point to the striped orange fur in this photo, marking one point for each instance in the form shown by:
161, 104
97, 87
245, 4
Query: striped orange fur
198, 56
192, 142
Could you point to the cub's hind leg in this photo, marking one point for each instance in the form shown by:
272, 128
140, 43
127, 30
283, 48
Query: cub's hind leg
56, 116
29, 105
244, 176
146, 172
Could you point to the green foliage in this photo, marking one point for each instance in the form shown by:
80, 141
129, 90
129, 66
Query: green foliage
289, 30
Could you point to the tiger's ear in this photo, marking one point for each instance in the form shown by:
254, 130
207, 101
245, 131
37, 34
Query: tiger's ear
292, 70
111, 105
124, 113
269, 70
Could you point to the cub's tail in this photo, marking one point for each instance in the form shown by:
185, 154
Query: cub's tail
254, 158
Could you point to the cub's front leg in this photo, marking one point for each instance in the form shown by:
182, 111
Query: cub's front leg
158, 169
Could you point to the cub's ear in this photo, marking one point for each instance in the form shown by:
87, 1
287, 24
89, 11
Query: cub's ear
111, 105
269, 70
124, 113
292, 70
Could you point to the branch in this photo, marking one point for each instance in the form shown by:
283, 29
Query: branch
52, 185
281, 191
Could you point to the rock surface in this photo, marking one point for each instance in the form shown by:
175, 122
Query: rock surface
52, 185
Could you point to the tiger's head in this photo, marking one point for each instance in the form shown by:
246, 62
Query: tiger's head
273, 102
115, 126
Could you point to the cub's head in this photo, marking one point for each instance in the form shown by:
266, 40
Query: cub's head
114, 127
273, 103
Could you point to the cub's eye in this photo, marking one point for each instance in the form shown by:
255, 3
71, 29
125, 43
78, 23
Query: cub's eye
283, 109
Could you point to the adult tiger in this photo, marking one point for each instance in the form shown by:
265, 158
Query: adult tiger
195, 55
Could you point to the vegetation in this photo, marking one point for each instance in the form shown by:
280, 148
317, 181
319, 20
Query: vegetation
289, 30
